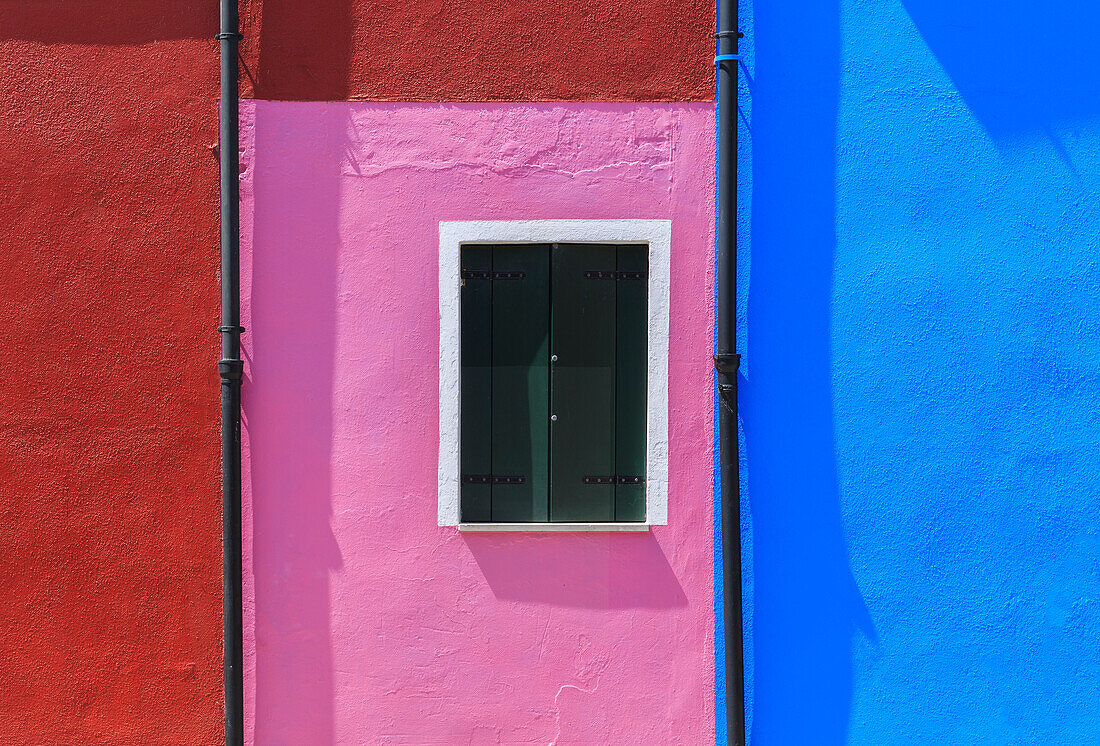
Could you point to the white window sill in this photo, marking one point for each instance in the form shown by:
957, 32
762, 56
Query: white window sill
622, 526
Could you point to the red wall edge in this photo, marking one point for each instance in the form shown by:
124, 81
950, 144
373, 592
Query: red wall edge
478, 50
110, 556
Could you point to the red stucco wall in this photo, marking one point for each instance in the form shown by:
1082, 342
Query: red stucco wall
479, 50
110, 556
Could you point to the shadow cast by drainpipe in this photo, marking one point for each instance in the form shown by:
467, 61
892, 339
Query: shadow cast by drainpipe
296, 252
806, 606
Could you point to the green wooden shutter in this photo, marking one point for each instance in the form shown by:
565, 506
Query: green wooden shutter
583, 384
477, 383
631, 368
585, 304
520, 419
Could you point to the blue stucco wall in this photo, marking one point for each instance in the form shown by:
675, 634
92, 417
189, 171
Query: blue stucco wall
920, 236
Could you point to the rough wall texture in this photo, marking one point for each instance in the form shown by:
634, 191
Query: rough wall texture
478, 50
920, 394
922, 380
108, 441
109, 501
371, 623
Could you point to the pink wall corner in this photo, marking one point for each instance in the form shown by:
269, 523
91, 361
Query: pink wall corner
366, 622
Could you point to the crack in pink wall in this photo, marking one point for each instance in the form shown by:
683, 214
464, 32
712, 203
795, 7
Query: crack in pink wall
368, 623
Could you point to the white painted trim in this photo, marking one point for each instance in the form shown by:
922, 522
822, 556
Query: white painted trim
588, 527
452, 234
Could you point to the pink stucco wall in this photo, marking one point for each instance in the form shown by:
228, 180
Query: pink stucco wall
365, 621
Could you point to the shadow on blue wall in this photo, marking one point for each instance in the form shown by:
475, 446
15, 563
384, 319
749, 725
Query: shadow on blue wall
806, 607
1020, 67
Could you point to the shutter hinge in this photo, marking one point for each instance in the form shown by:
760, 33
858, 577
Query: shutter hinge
612, 479
609, 275
479, 274
493, 479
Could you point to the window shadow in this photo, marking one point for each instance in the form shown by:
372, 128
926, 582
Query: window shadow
589, 570
806, 607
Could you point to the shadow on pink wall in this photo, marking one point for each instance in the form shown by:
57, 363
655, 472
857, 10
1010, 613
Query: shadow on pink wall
599, 571
288, 406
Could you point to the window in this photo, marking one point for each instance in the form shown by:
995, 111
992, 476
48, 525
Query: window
553, 382
553, 374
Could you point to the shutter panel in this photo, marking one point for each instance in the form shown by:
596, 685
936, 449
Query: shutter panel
583, 386
587, 305
631, 367
477, 382
520, 382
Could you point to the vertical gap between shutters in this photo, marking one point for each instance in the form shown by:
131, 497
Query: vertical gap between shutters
492, 309
614, 323
615, 393
550, 385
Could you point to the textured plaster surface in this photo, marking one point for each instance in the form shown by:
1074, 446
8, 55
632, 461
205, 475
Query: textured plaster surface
478, 50
110, 555
369, 623
921, 395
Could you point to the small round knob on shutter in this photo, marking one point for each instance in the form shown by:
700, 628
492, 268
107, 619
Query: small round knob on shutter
553, 358
553, 418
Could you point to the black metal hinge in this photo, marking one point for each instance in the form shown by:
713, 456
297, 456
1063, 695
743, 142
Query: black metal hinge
479, 274
596, 274
493, 479
611, 479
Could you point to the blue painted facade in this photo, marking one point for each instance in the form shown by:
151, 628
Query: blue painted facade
920, 309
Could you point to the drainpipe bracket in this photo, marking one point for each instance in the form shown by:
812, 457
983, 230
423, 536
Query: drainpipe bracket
727, 362
229, 35
230, 370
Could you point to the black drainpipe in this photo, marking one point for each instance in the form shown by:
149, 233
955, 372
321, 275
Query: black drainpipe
726, 362
230, 369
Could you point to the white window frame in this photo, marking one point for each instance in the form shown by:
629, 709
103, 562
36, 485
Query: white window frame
657, 234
